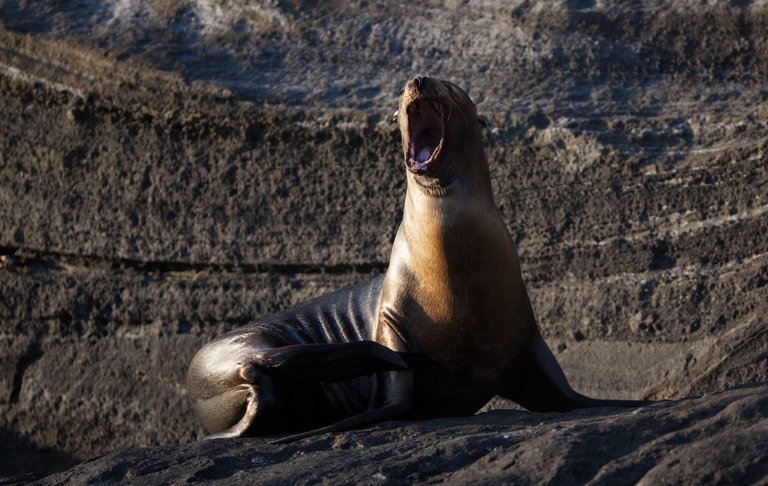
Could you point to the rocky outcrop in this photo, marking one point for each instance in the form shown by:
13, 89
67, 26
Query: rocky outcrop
718, 438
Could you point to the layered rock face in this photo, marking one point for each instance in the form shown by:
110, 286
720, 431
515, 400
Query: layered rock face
171, 170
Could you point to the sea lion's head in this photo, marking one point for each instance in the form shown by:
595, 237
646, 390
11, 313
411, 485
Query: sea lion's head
439, 126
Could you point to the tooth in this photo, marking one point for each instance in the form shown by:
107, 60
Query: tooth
424, 154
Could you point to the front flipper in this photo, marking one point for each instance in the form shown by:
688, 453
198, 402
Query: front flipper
331, 362
540, 385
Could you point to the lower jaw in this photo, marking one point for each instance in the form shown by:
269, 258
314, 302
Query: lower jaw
426, 168
421, 169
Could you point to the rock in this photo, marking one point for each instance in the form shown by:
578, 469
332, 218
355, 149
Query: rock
717, 438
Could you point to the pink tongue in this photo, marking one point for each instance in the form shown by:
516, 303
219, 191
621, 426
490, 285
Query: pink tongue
424, 155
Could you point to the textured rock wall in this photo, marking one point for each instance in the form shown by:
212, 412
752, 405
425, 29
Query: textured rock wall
171, 170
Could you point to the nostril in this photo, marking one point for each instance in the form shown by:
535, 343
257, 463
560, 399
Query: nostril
420, 82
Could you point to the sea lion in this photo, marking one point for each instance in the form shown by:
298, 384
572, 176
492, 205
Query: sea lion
447, 327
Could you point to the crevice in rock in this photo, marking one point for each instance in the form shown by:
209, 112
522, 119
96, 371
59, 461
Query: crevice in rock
34, 352
35, 259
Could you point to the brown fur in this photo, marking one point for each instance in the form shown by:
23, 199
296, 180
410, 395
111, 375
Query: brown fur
454, 285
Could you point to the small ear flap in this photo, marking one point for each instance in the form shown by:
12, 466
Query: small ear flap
482, 121
394, 115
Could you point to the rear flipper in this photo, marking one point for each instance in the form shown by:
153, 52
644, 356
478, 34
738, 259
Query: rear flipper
259, 376
540, 385
331, 362
252, 408
397, 392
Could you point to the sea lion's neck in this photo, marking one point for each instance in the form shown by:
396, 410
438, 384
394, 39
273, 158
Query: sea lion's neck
452, 253
442, 221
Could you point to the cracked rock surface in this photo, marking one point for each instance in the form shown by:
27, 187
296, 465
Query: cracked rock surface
688, 441
171, 170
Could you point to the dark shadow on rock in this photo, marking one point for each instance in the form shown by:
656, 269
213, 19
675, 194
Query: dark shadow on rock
24, 461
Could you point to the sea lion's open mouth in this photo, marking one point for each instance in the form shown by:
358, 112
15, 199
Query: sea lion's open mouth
425, 127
